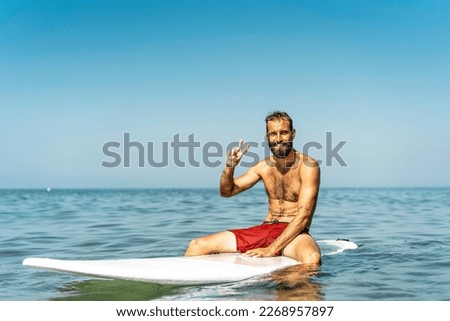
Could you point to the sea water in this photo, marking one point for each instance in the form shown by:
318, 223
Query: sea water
403, 233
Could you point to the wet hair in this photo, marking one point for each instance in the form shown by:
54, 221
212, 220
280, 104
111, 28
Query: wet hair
279, 115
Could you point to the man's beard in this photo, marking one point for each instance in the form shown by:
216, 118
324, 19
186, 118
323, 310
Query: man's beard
281, 150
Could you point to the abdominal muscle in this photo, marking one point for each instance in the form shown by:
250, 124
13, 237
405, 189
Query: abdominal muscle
281, 211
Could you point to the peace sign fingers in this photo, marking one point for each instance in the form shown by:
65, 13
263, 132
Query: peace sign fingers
235, 155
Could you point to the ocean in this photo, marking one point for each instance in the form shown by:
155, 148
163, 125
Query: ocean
403, 234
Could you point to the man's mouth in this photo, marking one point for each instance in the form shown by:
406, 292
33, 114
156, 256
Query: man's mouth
279, 145
281, 150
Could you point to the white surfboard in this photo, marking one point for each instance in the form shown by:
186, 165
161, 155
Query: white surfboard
227, 267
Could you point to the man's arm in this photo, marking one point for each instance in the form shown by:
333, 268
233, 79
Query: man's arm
230, 186
307, 204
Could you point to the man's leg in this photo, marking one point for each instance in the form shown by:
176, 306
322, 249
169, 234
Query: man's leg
222, 242
303, 249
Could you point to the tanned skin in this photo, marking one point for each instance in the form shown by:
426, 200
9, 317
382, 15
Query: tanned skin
291, 180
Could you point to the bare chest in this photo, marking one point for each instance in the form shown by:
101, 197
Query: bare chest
282, 186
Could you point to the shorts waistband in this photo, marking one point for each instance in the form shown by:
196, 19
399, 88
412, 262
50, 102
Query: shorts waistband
275, 222
306, 230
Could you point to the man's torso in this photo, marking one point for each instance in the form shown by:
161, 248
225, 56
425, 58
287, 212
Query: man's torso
282, 187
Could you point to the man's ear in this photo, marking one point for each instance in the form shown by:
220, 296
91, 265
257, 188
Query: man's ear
293, 133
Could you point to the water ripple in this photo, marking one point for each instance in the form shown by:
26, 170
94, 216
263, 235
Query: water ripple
403, 235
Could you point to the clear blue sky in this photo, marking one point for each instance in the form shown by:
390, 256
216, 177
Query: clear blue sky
77, 74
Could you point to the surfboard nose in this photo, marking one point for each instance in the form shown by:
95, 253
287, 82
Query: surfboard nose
33, 262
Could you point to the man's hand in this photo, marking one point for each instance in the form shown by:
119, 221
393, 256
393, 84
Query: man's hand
235, 155
261, 252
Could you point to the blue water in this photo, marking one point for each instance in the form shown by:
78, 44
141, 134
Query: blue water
403, 235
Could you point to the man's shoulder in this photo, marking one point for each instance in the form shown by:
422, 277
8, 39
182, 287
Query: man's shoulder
308, 161
261, 164
261, 167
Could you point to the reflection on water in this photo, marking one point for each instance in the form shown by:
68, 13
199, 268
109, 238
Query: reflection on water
113, 290
297, 283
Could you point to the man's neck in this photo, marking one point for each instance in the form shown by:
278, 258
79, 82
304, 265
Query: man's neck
287, 162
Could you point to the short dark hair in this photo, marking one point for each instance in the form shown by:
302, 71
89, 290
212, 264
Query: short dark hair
279, 115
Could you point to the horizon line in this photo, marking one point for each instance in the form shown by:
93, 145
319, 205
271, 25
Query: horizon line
207, 187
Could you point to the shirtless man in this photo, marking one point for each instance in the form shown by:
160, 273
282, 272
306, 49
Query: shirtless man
291, 180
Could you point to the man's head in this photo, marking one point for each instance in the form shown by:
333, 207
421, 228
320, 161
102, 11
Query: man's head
280, 133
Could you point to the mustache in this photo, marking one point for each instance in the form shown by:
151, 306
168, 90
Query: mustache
275, 144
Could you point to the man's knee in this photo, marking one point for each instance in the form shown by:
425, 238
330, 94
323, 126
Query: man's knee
313, 257
195, 247
304, 256
222, 242
304, 249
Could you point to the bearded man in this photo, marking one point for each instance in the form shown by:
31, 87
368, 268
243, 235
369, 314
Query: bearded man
291, 180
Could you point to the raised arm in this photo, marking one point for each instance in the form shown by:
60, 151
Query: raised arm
230, 186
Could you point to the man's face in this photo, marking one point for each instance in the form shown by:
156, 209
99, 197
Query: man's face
280, 137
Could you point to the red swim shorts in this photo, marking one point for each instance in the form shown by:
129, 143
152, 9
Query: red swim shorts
257, 236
